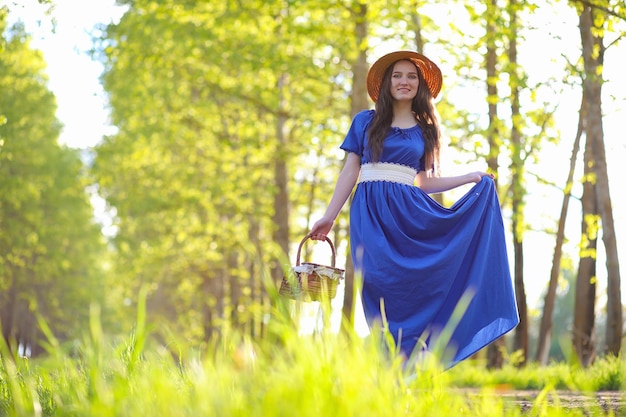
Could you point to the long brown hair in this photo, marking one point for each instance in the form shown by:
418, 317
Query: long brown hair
425, 114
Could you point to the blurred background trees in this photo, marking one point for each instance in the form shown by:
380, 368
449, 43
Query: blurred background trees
51, 249
228, 118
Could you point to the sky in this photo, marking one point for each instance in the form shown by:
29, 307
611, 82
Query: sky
74, 78
73, 75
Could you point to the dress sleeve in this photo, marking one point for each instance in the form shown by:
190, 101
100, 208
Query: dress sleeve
355, 139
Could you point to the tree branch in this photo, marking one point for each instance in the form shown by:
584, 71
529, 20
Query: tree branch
601, 8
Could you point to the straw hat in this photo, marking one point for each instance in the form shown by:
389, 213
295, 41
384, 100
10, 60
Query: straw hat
430, 72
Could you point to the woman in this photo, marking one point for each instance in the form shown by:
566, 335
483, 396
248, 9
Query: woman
418, 259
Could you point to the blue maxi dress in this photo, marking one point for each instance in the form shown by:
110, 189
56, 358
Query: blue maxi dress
418, 259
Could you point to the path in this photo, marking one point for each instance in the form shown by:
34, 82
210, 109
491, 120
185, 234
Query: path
594, 402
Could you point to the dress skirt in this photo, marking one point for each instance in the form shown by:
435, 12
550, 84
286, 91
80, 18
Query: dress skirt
420, 261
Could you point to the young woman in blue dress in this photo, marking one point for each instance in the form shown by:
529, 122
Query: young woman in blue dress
417, 258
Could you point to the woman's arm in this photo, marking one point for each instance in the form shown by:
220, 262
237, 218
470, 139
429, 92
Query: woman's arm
433, 185
343, 188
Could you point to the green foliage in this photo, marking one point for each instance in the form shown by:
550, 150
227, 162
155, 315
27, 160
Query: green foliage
608, 373
468, 124
49, 242
224, 96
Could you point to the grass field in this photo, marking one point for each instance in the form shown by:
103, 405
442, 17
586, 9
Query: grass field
287, 374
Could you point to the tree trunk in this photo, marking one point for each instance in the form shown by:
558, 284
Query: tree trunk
359, 101
7, 310
258, 293
593, 56
238, 316
518, 190
495, 357
520, 340
416, 23
584, 306
492, 89
281, 196
213, 305
545, 330
614, 318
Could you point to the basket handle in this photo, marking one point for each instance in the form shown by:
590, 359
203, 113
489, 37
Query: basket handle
330, 242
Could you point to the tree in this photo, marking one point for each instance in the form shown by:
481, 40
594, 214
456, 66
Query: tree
491, 16
209, 160
517, 190
583, 332
50, 245
592, 21
359, 101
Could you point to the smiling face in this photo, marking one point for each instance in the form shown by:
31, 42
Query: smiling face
404, 81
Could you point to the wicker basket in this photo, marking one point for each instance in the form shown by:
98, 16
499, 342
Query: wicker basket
309, 281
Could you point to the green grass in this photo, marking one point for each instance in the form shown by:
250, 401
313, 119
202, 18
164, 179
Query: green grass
606, 374
285, 374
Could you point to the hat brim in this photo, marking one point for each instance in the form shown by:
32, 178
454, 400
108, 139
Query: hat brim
430, 71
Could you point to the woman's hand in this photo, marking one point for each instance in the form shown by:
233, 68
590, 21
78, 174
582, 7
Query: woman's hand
478, 175
321, 228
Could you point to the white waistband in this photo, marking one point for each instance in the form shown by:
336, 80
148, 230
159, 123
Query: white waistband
384, 171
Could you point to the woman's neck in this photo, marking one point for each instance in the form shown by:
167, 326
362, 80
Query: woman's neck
403, 116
